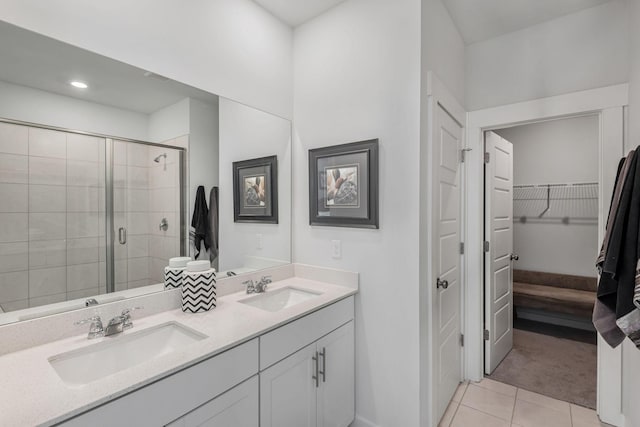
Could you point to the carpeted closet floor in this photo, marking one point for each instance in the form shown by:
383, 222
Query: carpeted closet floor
556, 367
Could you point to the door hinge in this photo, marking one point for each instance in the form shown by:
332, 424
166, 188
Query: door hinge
486, 246
487, 157
463, 154
462, 340
461, 248
485, 335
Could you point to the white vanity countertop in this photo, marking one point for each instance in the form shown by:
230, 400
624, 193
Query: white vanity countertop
33, 394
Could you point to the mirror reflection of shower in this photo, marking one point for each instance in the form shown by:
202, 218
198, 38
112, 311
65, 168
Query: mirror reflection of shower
157, 160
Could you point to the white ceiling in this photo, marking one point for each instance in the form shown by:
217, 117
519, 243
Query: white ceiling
30, 59
479, 20
296, 12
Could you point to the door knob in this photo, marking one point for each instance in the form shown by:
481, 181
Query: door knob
442, 283
514, 257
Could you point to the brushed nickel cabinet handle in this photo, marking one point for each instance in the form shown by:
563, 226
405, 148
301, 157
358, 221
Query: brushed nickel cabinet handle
316, 377
323, 353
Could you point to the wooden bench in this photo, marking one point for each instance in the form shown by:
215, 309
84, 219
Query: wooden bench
561, 293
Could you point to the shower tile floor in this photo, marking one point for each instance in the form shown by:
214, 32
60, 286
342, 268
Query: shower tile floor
493, 404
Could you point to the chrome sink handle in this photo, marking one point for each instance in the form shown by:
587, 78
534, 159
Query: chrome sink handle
96, 330
251, 288
126, 316
266, 279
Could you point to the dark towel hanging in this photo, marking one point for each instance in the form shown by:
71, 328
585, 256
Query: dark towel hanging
213, 223
200, 222
617, 280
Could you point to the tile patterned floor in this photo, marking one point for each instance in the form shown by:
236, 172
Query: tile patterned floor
493, 404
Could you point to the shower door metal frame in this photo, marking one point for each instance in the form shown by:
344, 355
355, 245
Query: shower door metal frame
109, 232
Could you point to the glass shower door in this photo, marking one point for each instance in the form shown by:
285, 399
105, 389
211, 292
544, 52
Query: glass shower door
146, 205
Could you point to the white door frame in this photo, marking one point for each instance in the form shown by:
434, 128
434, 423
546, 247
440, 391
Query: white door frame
436, 95
608, 104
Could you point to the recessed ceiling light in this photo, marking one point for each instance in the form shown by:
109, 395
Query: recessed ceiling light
80, 85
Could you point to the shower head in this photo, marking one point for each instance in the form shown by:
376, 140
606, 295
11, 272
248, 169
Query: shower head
157, 159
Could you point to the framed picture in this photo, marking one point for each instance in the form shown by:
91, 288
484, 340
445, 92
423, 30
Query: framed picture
343, 185
255, 190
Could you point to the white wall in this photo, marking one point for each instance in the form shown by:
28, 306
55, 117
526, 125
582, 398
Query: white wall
203, 153
232, 48
169, 122
246, 133
443, 49
37, 106
556, 152
580, 51
357, 77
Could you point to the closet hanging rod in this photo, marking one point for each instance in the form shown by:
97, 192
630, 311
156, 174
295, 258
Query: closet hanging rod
575, 184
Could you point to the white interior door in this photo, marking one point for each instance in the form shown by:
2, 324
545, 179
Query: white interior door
499, 235
446, 262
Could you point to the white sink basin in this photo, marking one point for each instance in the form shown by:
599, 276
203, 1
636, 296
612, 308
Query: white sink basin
279, 299
115, 354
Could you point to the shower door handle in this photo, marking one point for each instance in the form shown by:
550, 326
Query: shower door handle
122, 235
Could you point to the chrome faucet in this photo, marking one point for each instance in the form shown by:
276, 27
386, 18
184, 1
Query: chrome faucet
115, 326
259, 287
121, 323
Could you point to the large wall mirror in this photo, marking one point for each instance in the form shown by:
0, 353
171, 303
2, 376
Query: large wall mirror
98, 183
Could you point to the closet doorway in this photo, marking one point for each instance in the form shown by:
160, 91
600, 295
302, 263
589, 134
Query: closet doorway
607, 104
541, 229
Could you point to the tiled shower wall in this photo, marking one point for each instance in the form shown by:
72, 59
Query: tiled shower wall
145, 191
51, 216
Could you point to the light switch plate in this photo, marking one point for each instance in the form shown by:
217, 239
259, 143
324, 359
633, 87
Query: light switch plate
259, 240
336, 249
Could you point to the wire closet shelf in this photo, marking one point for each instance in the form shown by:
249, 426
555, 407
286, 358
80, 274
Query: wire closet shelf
575, 203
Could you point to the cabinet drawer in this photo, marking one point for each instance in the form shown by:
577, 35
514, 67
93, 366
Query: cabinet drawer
169, 398
286, 340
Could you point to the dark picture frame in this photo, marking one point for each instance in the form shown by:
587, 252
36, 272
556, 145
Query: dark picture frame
255, 190
343, 185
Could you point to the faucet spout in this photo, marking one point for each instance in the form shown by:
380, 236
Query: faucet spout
115, 326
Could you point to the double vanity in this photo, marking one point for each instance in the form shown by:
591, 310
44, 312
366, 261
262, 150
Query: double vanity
277, 358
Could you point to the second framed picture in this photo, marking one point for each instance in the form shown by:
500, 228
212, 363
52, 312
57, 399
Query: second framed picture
343, 185
255, 190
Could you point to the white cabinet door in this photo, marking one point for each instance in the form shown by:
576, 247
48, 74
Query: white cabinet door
238, 408
288, 391
336, 391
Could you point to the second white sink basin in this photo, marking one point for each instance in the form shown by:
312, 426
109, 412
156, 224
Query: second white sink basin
112, 355
279, 299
